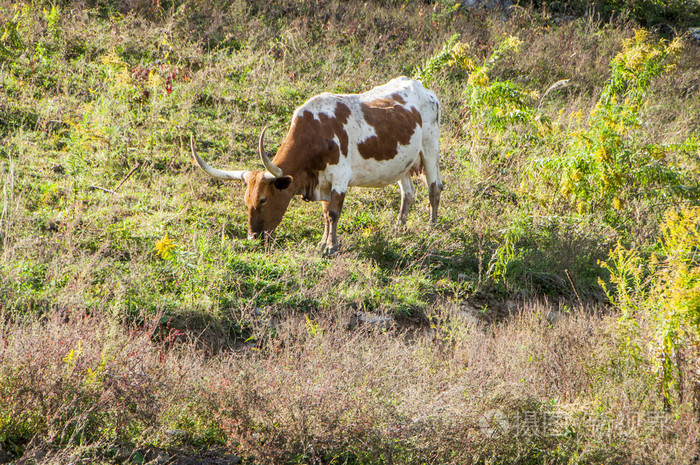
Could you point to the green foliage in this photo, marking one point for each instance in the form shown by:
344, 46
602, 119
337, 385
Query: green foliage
655, 12
660, 298
648, 13
495, 104
436, 63
498, 105
52, 17
11, 39
606, 166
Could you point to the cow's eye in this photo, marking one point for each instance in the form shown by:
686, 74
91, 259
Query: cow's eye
263, 200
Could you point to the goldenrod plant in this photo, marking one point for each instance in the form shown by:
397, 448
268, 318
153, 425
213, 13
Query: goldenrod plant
607, 165
660, 302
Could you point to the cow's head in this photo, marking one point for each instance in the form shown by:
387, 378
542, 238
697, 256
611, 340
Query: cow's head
267, 195
267, 200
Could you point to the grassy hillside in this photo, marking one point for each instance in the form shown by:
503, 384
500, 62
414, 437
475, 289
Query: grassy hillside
139, 324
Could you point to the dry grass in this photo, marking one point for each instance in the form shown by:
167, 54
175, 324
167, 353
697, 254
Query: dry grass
316, 392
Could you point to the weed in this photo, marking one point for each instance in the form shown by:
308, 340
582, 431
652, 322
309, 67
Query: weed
606, 169
659, 300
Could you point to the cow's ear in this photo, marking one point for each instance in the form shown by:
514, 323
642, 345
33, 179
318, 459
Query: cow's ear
282, 183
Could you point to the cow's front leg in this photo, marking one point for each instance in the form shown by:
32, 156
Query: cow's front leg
331, 214
326, 229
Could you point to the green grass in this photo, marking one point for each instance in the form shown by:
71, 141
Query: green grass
268, 353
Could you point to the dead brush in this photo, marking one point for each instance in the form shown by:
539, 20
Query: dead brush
318, 391
65, 385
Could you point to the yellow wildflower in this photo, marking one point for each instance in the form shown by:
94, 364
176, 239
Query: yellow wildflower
460, 57
675, 46
460, 49
467, 64
478, 78
74, 353
602, 155
113, 59
566, 188
164, 247
513, 42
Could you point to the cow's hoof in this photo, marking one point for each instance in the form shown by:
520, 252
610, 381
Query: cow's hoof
399, 226
329, 250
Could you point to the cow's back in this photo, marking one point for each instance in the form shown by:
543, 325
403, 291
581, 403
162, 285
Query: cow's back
390, 126
379, 135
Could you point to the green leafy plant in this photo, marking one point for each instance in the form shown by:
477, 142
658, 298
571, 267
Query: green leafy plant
498, 105
495, 104
660, 298
11, 40
605, 165
53, 17
503, 116
437, 62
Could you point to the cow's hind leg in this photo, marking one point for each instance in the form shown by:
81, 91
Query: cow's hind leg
434, 194
407, 197
432, 177
331, 214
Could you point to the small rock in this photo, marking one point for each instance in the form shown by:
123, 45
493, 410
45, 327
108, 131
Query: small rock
469, 308
487, 4
467, 317
376, 320
177, 433
261, 313
364, 318
232, 459
257, 311
694, 32
563, 19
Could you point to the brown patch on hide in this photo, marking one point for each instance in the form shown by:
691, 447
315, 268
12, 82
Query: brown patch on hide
393, 125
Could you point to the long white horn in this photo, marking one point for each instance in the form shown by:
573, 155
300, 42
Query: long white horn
276, 171
219, 174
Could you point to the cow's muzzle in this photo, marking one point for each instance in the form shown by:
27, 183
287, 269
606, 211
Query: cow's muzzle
262, 235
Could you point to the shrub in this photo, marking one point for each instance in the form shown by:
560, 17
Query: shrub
660, 300
647, 13
608, 166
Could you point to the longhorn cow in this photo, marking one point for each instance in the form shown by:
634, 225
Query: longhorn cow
337, 141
